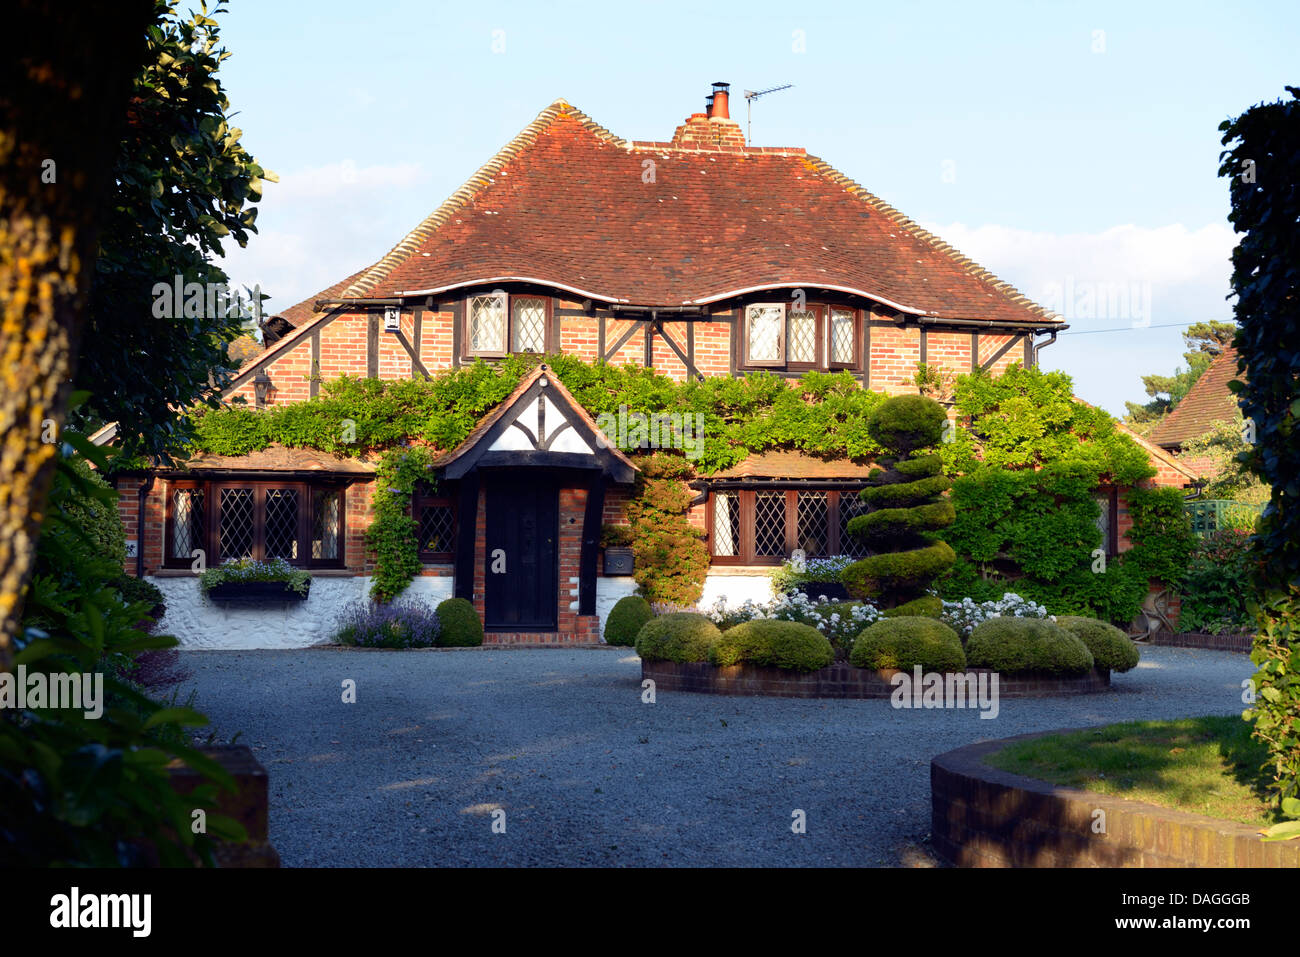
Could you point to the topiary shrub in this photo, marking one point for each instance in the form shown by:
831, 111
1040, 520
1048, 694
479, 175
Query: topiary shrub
928, 606
1110, 647
626, 619
679, 636
460, 625
907, 641
777, 644
1027, 646
905, 505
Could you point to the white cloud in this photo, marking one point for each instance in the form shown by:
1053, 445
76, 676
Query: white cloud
1130, 278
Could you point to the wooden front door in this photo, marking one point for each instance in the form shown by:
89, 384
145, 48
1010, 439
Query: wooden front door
521, 570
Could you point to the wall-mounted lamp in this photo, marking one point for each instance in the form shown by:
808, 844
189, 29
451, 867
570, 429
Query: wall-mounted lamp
261, 388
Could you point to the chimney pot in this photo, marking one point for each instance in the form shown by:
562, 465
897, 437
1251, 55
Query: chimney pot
720, 99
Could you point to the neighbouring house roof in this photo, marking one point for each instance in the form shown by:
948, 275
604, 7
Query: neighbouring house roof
278, 458
569, 204
791, 465
1157, 453
1207, 402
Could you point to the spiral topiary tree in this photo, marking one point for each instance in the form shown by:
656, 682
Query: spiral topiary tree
905, 506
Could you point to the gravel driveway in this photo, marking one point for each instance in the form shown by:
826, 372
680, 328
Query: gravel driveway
587, 774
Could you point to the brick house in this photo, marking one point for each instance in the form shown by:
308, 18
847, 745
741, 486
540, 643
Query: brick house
1209, 401
699, 256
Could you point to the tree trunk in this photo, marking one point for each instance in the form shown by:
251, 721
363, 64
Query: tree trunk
64, 84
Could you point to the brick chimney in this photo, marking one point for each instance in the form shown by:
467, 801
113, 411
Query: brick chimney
712, 128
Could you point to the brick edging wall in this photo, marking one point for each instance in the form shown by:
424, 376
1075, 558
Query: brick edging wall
1196, 639
985, 817
839, 680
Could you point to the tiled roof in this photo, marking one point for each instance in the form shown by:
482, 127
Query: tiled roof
568, 204
279, 458
298, 314
1207, 402
792, 465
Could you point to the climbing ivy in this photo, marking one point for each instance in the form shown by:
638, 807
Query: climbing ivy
393, 529
1026, 461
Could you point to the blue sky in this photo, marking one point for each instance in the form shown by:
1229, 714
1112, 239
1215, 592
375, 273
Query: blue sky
1071, 148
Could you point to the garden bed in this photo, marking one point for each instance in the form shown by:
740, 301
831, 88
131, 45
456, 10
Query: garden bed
985, 816
840, 680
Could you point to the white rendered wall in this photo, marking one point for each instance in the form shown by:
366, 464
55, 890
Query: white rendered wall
735, 588
201, 623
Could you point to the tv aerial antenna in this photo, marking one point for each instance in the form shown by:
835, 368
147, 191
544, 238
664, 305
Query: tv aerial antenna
750, 97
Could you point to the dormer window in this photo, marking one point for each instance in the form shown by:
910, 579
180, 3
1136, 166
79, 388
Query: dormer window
493, 320
815, 336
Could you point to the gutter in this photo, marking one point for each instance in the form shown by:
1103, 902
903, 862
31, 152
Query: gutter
1053, 327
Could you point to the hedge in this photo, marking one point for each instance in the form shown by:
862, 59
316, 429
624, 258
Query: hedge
906, 642
1027, 646
778, 644
626, 619
1110, 647
679, 636
461, 627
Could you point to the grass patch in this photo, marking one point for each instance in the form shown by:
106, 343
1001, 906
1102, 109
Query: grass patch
1207, 765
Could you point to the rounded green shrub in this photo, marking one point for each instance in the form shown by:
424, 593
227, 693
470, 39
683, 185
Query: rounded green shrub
134, 590
1110, 647
94, 534
927, 606
778, 644
679, 636
906, 642
1027, 646
626, 619
460, 623
907, 422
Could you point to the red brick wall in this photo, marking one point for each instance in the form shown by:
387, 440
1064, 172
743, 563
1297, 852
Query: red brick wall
895, 351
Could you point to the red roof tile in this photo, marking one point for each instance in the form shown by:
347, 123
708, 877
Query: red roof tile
1207, 402
566, 203
792, 465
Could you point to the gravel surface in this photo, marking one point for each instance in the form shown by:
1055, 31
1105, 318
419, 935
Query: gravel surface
587, 774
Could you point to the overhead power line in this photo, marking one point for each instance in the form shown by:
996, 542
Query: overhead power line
1167, 325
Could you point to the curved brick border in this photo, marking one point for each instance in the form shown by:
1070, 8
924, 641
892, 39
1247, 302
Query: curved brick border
1197, 639
984, 817
840, 680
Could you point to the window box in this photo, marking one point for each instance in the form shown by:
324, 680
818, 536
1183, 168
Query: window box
257, 592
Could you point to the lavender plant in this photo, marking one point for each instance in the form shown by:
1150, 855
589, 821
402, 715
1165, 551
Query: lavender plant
392, 625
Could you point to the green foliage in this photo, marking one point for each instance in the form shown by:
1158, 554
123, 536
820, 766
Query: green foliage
907, 641
251, 570
678, 636
616, 536
1026, 468
1265, 208
1222, 446
1219, 584
139, 591
927, 606
1110, 647
461, 627
393, 529
182, 184
904, 506
791, 645
1204, 341
625, 620
91, 526
95, 792
671, 559
790, 575
1015, 646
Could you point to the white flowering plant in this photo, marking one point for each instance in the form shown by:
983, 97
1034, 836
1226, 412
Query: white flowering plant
962, 616
792, 574
251, 570
840, 621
